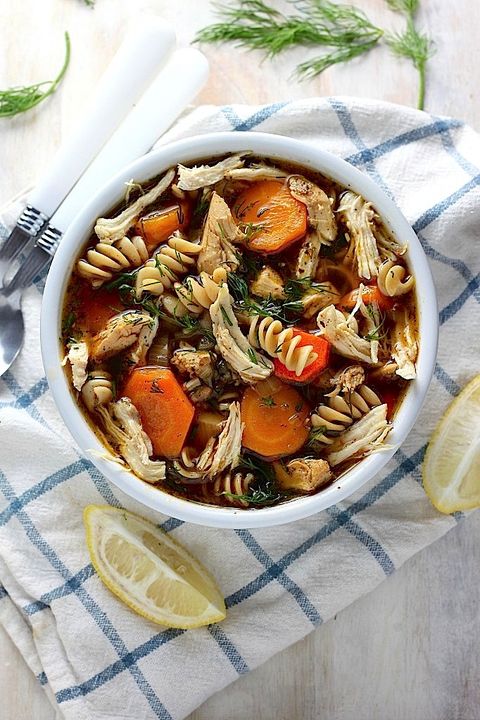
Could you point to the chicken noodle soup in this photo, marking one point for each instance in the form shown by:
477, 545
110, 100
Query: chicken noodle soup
240, 332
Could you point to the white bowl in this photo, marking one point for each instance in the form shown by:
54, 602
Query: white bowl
189, 151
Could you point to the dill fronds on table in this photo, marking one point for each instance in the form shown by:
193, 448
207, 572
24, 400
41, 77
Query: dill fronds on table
343, 31
16, 100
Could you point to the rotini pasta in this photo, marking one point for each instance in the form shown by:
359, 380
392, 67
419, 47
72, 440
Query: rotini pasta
161, 272
340, 411
281, 343
104, 260
228, 485
97, 392
197, 294
393, 279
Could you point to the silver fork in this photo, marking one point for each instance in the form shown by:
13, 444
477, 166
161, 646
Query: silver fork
180, 80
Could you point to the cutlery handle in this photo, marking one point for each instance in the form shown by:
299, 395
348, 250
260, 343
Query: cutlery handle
174, 88
126, 78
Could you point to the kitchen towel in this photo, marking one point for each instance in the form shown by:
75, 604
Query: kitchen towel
94, 657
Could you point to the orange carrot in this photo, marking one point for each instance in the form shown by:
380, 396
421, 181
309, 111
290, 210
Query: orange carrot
270, 216
95, 307
274, 415
157, 227
371, 294
165, 410
320, 346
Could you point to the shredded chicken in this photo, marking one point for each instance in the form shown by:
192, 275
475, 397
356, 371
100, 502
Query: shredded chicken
109, 230
313, 301
77, 356
303, 474
321, 221
223, 452
219, 234
200, 176
340, 332
388, 248
232, 343
139, 350
133, 443
120, 332
268, 283
194, 363
256, 172
348, 379
404, 344
358, 215
361, 438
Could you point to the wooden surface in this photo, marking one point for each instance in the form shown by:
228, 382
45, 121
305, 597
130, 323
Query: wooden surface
410, 650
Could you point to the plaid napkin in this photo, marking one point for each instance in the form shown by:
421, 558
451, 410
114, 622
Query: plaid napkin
94, 657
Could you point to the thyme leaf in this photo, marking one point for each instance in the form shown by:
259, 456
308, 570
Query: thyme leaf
16, 100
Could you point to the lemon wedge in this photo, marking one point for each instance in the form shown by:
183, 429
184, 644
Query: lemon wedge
149, 571
451, 469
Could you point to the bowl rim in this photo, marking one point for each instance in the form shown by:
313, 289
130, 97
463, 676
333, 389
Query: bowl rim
189, 150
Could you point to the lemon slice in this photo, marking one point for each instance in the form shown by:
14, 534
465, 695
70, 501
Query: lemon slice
149, 571
451, 469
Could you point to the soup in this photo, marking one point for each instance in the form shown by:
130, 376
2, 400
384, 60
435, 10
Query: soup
241, 332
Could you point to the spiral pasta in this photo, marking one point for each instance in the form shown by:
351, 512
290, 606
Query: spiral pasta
393, 279
230, 484
103, 261
98, 390
281, 343
340, 411
162, 271
197, 294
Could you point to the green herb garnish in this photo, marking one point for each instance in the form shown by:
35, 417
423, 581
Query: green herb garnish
411, 43
268, 401
16, 100
344, 31
263, 489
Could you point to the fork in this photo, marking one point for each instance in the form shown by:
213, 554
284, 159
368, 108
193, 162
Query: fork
180, 80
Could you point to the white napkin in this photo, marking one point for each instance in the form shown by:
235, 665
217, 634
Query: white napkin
94, 657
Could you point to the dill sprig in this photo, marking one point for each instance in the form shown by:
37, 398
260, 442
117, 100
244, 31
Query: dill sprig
343, 30
263, 490
16, 100
411, 44
287, 311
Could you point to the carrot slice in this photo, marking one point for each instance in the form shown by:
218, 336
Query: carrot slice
94, 308
271, 217
370, 294
157, 227
165, 410
320, 346
274, 415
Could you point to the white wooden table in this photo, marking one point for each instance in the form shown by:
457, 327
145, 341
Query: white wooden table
410, 650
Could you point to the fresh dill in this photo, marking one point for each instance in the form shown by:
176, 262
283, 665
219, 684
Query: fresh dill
16, 100
263, 489
343, 30
287, 311
68, 322
295, 289
226, 316
411, 43
315, 436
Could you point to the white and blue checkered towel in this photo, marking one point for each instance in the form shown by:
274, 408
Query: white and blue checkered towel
94, 657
